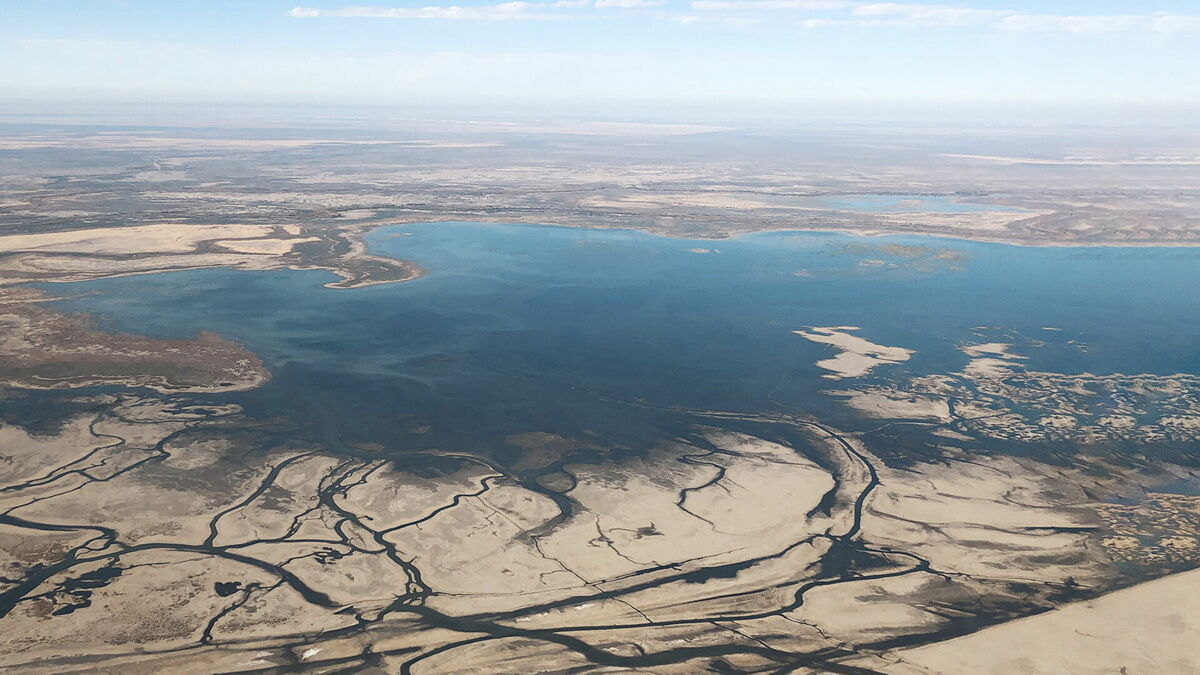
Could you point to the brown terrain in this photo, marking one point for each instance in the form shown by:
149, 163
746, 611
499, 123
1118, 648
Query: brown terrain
145, 526
44, 349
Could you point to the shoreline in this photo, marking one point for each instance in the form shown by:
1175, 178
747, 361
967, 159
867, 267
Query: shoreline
348, 266
356, 266
367, 228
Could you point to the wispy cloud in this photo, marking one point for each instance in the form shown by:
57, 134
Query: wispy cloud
629, 4
505, 11
743, 5
1163, 23
804, 13
896, 14
726, 20
938, 15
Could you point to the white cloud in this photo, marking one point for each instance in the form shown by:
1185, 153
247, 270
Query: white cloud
932, 15
1009, 21
726, 20
718, 5
1168, 23
500, 12
1071, 24
745, 12
504, 11
1102, 24
630, 4
899, 14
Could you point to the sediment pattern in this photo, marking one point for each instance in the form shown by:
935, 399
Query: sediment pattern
755, 543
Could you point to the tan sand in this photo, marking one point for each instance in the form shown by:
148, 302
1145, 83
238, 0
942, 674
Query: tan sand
858, 355
996, 349
263, 246
895, 405
987, 367
973, 222
165, 238
1150, 628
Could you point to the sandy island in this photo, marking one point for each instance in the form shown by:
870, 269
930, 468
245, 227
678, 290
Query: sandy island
857, 355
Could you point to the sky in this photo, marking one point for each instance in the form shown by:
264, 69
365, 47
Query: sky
748, 53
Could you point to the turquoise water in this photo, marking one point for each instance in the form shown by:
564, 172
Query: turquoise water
520, 328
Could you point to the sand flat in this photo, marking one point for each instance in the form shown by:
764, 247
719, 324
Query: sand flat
263, 246
895, 405
159, 238
996, 349
1149, 628
858, 355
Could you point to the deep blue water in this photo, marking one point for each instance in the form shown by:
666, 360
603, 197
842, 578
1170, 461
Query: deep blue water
519, 328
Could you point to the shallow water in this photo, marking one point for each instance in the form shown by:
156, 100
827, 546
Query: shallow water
520, 328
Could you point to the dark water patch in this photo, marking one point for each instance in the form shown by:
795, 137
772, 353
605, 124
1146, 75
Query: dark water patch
44, 413
75, 593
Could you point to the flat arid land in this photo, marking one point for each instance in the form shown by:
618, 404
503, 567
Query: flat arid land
1116, 186
313, 399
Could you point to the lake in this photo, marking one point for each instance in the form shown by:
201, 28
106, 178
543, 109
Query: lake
612, 333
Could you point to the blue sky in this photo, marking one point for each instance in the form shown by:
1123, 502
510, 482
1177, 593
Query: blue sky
727, 52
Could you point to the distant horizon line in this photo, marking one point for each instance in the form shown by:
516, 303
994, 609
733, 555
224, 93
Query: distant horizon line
1177, 114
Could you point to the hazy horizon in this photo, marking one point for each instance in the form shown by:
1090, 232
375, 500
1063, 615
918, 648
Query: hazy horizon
1088, 60
198, 113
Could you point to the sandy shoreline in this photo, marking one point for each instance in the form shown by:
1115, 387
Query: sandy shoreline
872, 233
100, 253
67, 256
